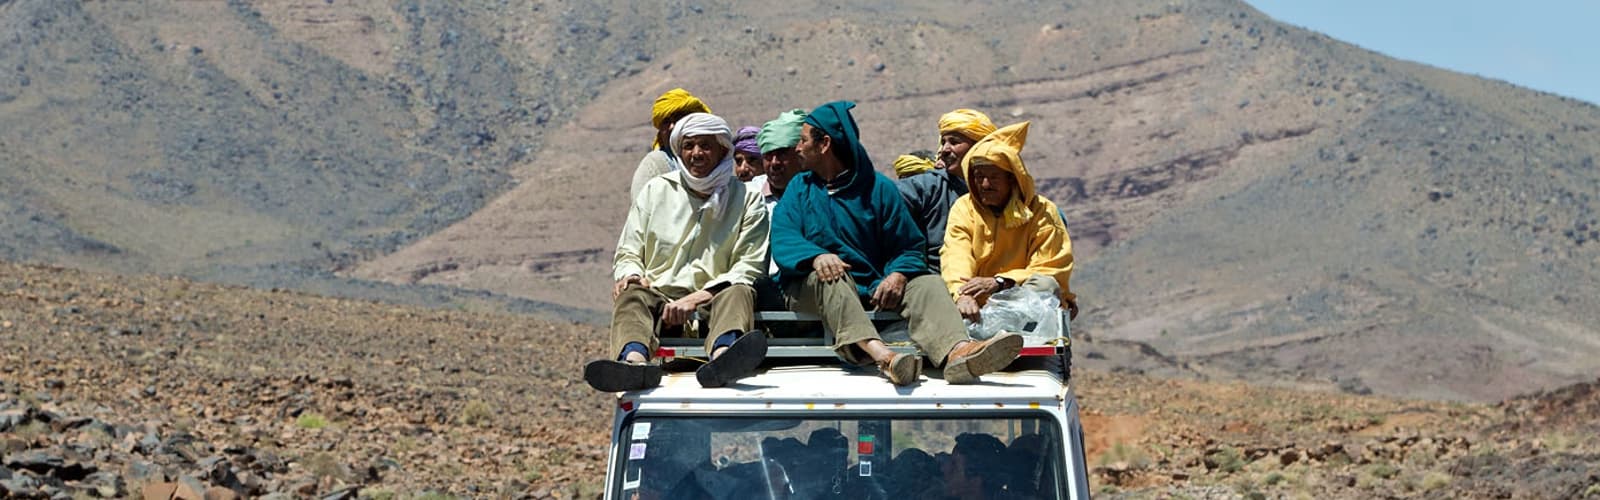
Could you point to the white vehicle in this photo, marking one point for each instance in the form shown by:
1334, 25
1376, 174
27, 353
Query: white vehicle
807, 427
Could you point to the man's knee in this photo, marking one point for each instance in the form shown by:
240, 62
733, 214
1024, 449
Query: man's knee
815, 282
1042, 283
633, 293
736, 293
927, 283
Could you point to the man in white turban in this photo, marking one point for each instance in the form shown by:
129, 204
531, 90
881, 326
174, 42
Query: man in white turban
695, 241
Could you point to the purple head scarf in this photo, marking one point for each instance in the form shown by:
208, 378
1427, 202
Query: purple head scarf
745, 140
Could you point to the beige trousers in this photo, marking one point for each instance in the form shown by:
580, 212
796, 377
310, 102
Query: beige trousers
636, 316
934, 323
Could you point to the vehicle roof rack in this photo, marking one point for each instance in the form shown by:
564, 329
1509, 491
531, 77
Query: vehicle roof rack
801, 335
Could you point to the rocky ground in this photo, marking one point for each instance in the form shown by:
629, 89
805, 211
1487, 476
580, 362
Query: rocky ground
114, 386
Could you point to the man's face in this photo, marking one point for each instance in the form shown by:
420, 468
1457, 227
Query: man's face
781, 166
991, 185
952, 148
702, 153
664, 134
810, 151
746, 165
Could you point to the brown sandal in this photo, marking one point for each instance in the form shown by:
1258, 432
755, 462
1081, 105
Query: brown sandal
903, 369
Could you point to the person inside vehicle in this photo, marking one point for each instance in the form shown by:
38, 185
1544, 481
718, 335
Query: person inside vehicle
843, 241
971, 470
914, 474
1003, 234
694, 241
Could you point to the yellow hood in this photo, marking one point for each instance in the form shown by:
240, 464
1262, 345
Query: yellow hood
1003, 148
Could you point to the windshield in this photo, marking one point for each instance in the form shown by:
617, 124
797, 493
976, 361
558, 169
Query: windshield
871, 457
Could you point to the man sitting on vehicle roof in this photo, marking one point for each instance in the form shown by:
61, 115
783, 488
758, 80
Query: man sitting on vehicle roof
776, 142
842, 237
670, 107
1003, 234
930, 196
695, 240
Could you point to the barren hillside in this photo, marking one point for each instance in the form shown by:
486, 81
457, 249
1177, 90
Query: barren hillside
114, 386
1248, 199
1245, 197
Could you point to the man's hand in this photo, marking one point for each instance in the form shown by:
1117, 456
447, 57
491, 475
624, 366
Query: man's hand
889, 292
622, 284
979, 286
679, 311
1072, 310
829, 267
968, 307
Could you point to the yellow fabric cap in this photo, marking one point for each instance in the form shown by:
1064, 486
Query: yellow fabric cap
674, 102
968, 122
1003, 148
909, 165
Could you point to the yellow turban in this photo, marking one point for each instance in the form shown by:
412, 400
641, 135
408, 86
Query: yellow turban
675, 102
970, 123
909, 165
1003, 149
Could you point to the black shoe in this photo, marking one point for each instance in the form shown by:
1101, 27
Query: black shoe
619, 376
739, 361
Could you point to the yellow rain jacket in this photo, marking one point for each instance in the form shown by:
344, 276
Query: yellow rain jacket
1028, 237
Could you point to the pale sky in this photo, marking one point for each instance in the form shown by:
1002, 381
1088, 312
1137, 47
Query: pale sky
1548, 45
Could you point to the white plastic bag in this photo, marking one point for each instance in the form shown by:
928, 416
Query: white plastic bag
1031, 313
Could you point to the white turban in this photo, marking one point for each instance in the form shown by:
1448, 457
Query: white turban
714, 184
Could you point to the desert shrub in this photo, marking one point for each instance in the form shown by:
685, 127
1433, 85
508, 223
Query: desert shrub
31, 431
378, 494
1383, 470
1434, 480
324, 465
311, 421
1558, 441
477, 412
1134, 456
1227, 460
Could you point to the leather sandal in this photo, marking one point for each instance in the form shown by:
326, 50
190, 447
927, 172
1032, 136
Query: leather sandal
740, 360
972, 359
902, 370
608, 375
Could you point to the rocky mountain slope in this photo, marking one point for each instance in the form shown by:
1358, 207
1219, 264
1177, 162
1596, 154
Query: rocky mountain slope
1248, 199
112, 386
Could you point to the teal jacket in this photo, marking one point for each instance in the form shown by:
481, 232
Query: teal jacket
865, 223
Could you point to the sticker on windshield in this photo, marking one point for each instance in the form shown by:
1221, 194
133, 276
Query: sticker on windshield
636, 451
641, 430
864, 445
866, 468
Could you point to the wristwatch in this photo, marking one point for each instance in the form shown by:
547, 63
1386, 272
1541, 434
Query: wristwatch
1002, 282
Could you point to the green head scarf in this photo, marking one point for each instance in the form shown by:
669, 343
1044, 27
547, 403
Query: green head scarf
783, 132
